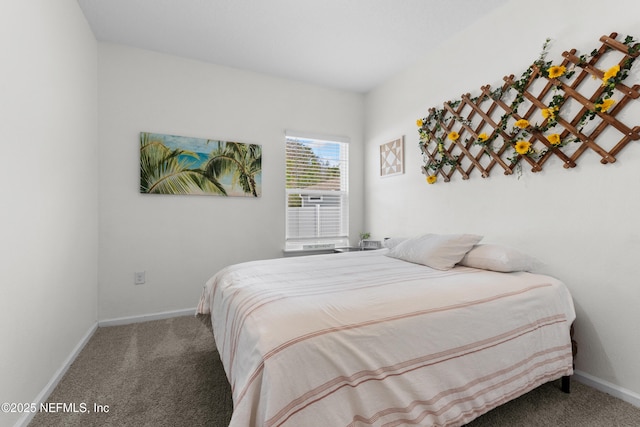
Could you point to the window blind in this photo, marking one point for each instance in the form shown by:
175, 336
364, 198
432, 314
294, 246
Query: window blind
317, 194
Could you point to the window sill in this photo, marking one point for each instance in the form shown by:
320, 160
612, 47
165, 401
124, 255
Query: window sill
304, 252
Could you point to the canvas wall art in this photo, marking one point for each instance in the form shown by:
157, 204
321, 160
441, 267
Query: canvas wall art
392, 158
172, 164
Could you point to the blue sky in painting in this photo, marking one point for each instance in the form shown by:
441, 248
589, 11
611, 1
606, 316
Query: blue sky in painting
198, 145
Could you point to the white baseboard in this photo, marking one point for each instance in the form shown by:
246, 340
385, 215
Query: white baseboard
53, 382
147, 317
607, 387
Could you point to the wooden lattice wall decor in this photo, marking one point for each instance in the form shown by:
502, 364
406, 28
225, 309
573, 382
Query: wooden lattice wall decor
560, 110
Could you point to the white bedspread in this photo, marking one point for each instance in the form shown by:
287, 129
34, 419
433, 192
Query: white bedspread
361, 339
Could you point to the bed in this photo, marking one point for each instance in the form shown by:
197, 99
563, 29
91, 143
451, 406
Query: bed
368, 338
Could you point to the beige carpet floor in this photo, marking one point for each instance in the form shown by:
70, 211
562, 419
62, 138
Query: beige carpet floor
168, 373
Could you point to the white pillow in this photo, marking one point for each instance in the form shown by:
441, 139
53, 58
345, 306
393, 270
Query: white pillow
439, 251
498, 258
392, 242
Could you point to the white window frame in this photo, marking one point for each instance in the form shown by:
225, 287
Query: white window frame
303, 228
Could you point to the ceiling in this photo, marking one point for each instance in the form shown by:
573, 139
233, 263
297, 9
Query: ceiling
350, 45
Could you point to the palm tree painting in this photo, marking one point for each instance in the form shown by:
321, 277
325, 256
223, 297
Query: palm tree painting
181, 165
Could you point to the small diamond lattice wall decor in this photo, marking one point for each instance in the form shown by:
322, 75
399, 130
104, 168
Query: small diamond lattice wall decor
392, 158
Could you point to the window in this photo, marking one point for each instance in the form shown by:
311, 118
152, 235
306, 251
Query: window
317, 192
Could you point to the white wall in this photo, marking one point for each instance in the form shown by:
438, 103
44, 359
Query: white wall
581, 222
48, 170
180, 241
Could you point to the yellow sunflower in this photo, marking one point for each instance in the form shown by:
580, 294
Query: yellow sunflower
419, 123
556, 71
453, 136
549, 113
482, 137
611, 72
431, 179
522, 124
606, 104
523, 147
554, 139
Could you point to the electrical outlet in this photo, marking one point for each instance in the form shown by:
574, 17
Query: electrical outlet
139, 277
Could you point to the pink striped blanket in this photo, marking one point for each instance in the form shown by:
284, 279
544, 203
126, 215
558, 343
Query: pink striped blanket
362, 339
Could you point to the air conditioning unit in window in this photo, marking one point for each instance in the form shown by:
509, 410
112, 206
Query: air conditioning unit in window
316, 246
